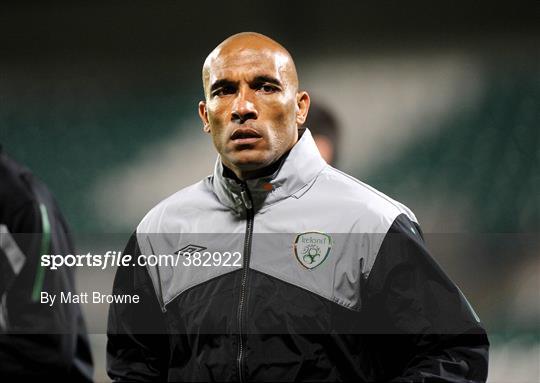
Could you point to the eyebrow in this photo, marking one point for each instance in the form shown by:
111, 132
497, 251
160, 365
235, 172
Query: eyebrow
257, 80
268, 79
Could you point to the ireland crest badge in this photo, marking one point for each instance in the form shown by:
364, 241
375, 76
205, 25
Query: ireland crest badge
312, 248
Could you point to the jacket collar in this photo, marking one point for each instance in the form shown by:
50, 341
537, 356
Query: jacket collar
299, 168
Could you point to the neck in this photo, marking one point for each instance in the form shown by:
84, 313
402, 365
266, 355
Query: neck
242, 176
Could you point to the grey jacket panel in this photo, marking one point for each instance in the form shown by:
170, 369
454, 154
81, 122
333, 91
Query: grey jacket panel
306, 195
186, 218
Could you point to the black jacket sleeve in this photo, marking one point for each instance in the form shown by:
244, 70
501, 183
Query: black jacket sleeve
427, 331
138, 345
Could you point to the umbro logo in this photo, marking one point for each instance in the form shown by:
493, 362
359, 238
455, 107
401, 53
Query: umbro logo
189, 249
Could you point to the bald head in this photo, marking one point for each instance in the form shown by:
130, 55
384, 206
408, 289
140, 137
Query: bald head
249, 45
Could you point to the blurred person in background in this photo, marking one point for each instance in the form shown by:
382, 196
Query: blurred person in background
324, 127
350, 294
37, 341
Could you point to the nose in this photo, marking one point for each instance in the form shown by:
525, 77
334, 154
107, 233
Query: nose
243, 108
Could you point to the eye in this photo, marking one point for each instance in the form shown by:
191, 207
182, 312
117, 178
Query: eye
224, 90
269, 88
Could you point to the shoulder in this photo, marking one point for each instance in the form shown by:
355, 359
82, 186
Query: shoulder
15, 189
180, 205
373, 214
372, 209
13, 176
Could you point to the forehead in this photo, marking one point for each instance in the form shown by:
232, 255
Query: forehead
246, 63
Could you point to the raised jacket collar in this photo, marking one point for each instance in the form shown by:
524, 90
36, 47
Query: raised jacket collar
301, 166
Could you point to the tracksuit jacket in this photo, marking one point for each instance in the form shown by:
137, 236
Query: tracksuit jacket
37, 342
334, 283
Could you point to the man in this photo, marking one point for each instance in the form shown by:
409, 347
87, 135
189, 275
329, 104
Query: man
37, 342
333, 283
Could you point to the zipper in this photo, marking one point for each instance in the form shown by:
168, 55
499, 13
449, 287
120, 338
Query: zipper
248, 204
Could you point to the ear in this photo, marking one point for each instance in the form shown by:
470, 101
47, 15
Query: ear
302, 107
203, 114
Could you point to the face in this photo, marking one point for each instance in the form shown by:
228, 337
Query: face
252, 108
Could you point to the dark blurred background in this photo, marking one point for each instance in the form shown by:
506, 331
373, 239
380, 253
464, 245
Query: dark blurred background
439, 106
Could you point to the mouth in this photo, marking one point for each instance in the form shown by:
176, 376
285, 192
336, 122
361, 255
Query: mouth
244, 136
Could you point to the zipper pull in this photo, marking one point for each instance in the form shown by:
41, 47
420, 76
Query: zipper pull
246, 199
